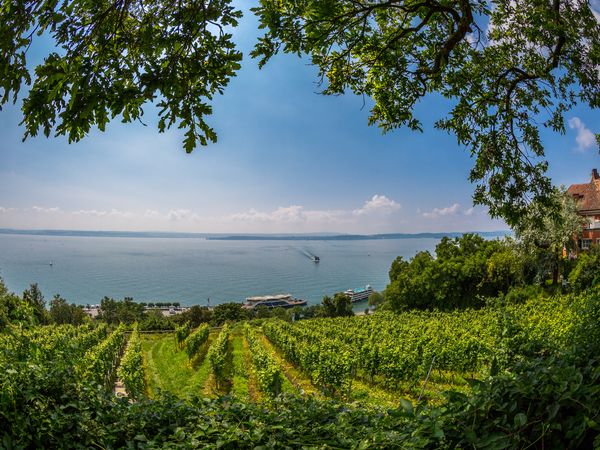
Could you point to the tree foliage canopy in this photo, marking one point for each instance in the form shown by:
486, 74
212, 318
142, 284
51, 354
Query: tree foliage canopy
116, 311
539, 229
112, 57
535, 60
338, 306
14, 309
63, 312
508, 69
466, 270
543, 236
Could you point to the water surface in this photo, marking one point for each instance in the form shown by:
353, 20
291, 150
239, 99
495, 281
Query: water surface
192, 270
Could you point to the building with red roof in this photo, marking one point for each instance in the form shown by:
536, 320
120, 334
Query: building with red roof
587, 196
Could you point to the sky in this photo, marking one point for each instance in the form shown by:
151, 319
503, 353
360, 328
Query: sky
288, 160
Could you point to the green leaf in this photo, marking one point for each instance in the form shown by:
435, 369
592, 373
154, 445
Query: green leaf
520, 420
407, 405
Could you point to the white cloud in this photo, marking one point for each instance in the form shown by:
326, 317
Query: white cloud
117, 213
292, 213
151, 213
99, 213
182, 215
250, 215
378, 214
378, 203
89, 212
328, 216
585, 138
179, 214
452, 210
318, 220
40, 209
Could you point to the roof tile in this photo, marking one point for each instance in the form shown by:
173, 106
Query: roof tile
587, 195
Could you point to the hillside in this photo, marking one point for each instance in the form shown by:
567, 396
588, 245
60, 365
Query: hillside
504, 376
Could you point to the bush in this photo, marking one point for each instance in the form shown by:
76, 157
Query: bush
154, 320
195, 315
465, 271
520, 294
228, 312
587, 270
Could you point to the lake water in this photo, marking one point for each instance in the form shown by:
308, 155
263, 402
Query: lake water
191, 270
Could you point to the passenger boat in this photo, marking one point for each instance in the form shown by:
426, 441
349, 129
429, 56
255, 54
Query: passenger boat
359, 294
273, 301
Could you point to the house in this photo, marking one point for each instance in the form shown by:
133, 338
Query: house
587, 196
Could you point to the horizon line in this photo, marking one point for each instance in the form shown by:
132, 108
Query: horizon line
244, 236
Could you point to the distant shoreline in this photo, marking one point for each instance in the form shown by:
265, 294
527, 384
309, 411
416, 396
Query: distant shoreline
247, 237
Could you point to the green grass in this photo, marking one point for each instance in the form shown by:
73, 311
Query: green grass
169, 370
239, 374
253, 384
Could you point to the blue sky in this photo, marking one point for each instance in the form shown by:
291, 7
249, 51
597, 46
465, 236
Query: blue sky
287, 161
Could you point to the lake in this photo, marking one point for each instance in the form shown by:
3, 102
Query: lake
83, 269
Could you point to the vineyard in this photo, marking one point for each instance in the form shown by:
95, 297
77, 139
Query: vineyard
399, 361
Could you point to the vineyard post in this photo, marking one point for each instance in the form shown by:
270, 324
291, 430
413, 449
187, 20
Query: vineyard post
426, 379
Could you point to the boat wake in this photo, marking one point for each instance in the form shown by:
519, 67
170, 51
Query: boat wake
310, 255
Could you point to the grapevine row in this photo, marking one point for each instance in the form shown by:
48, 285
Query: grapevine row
100, 362
50, 342
268, 371
328, 363
391, 348
131, 370
196, 340
217, 355
181, 334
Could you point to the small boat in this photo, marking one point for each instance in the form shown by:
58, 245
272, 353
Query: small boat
315, 259
273, 301
51, 263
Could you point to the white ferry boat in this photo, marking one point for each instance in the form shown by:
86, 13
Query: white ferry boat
273, 301
359, 294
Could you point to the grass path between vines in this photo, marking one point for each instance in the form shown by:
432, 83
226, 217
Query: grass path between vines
240, 381
253, 385
169, 370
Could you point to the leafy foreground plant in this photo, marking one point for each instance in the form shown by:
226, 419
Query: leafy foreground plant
548, 403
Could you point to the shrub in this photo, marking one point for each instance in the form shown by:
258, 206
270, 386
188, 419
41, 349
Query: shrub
587, 270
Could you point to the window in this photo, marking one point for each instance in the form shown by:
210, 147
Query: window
585, 244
